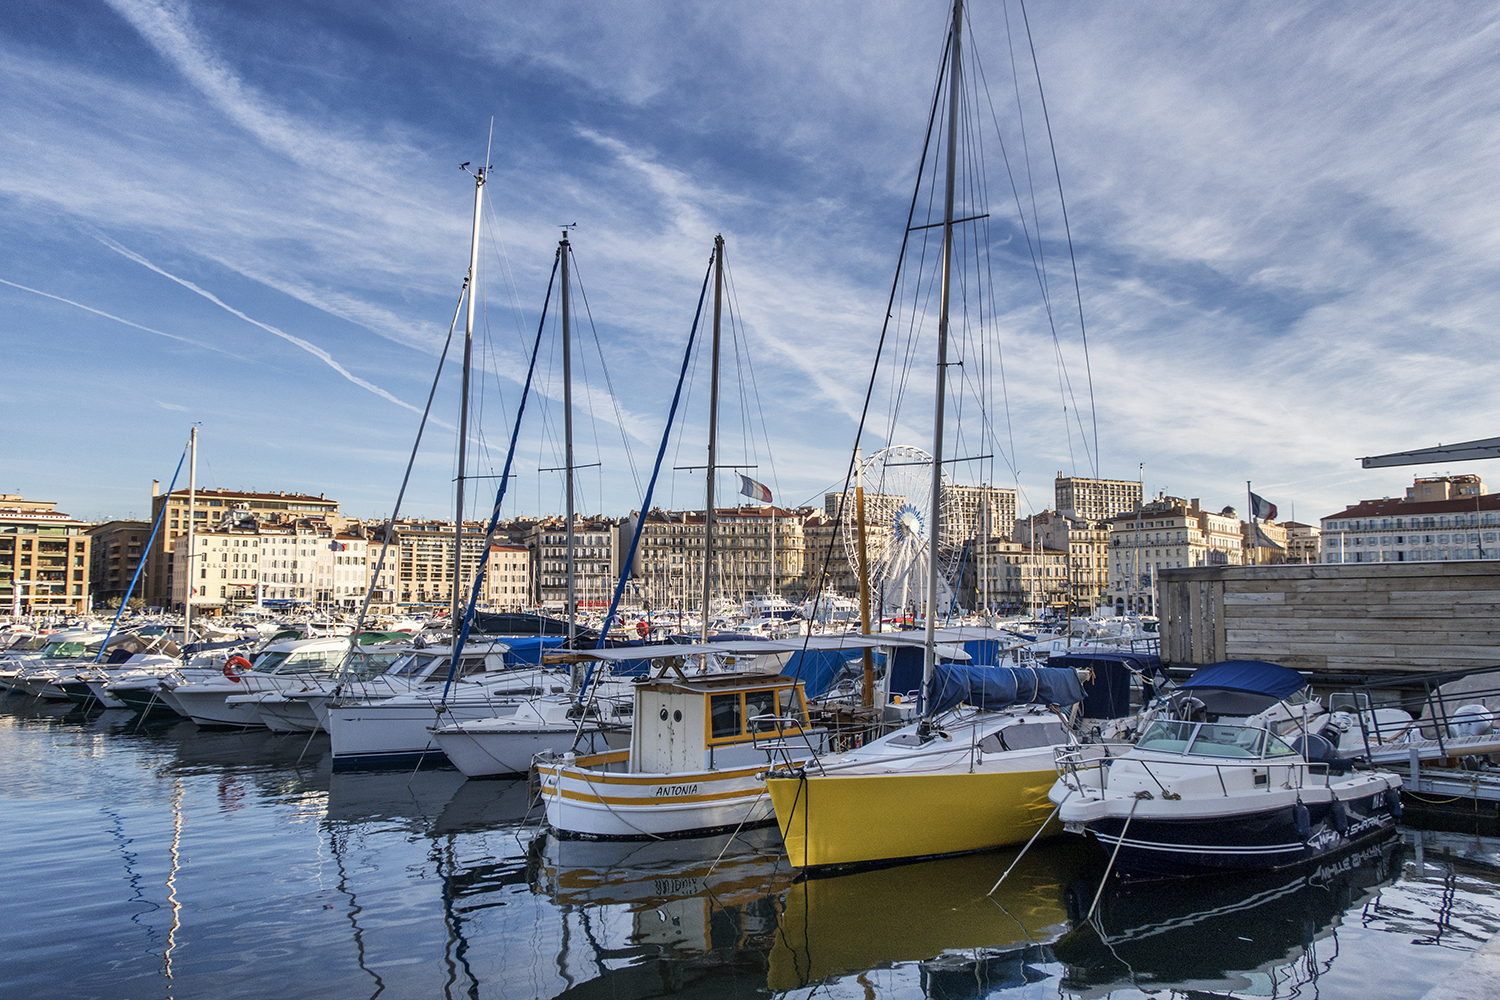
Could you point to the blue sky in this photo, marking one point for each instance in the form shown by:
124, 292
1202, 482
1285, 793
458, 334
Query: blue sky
251, 217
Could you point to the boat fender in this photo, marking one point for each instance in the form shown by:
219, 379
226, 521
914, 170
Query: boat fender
1340, 817
1303, 819
234, 666
1393, 801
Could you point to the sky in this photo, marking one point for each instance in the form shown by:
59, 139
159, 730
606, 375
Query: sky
1283, 218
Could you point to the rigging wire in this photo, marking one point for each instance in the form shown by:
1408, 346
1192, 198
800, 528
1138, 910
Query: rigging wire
754, 386
1067, 229
608, 383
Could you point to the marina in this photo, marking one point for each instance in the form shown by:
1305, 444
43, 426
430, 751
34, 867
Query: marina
884, 721
240, 864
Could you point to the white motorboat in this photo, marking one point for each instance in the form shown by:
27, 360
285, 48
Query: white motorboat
1198, 797
552, 724
370, 673
396, 731
279, 666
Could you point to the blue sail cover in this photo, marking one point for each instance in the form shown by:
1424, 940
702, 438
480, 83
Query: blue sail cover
1000, 687
1255, 676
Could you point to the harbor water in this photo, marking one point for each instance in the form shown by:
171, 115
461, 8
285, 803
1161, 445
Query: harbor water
152, 859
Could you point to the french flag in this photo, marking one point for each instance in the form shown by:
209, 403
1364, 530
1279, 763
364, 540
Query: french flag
759, 492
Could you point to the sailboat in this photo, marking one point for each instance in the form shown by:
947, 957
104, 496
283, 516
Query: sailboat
974, 771
699, 741
396, 731
557, 722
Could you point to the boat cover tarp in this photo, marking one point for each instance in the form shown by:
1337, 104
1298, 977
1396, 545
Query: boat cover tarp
905, 671
1107, 694
984, 652
818, 668
1000, 687
509, 623
526, 650
1254, 676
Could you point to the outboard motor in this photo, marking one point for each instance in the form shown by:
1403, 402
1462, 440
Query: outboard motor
1320, 752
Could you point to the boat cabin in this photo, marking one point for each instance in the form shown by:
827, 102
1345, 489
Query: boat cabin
680, 722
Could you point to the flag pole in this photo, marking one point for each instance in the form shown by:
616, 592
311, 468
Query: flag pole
1250, 499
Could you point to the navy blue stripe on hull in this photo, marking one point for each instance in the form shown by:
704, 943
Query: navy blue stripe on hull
433, 759
1246, 842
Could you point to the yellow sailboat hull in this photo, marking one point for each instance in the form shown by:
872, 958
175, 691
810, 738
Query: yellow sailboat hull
840, 819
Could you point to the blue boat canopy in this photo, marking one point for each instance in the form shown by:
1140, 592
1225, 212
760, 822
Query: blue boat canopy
1254, 676
1106, 695
1000, 687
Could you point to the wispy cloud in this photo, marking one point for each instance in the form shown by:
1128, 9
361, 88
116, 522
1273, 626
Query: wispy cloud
305, 345
171, 406
117, 319
167, 27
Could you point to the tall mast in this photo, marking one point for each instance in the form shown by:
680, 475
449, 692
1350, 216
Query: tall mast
713, 433
929, 652
457, 608
192, 581
984, 551
567, 352
867, 691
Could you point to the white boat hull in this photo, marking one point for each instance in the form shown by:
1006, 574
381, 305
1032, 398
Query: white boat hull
584, 799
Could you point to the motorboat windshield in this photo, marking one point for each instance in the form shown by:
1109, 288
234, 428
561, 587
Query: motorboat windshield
1207, 739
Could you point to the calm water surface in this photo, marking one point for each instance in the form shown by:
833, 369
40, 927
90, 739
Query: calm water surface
155, 860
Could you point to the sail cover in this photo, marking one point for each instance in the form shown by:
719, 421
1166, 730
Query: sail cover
1254, 676
1000, 687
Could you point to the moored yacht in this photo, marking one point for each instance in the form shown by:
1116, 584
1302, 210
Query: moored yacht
278, 666
1197, 797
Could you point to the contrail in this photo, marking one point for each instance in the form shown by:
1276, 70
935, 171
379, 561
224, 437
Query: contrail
310, 348
117, 319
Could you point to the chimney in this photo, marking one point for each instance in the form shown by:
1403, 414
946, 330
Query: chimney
155, 487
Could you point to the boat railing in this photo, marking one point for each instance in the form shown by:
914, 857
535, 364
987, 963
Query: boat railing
777, 735
1445, 707
1088, 766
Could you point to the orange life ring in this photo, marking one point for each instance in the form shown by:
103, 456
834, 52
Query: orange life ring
642, 629
234, 666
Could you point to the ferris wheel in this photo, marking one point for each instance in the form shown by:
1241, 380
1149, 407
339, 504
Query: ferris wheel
898, 508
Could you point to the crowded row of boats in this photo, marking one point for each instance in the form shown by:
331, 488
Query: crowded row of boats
1236, 768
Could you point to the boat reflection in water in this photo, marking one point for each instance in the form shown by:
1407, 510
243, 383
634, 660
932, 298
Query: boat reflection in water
938, 913
1261, 934
701, 909
437, 802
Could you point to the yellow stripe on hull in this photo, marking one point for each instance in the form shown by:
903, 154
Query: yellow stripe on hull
840, 819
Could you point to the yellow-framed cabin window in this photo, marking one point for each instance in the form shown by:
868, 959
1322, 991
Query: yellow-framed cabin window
735, 716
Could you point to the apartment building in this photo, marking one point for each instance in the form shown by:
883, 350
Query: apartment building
596, 561
1087, 546
209, 509
1007, 575
1167, 533
1442, 518
44, 558
1095, 499
116, 549
757, 551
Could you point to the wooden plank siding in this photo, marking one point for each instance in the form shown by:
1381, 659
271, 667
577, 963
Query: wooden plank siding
1349, 618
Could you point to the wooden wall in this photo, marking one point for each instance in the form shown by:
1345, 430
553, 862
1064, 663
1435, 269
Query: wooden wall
1350, 618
